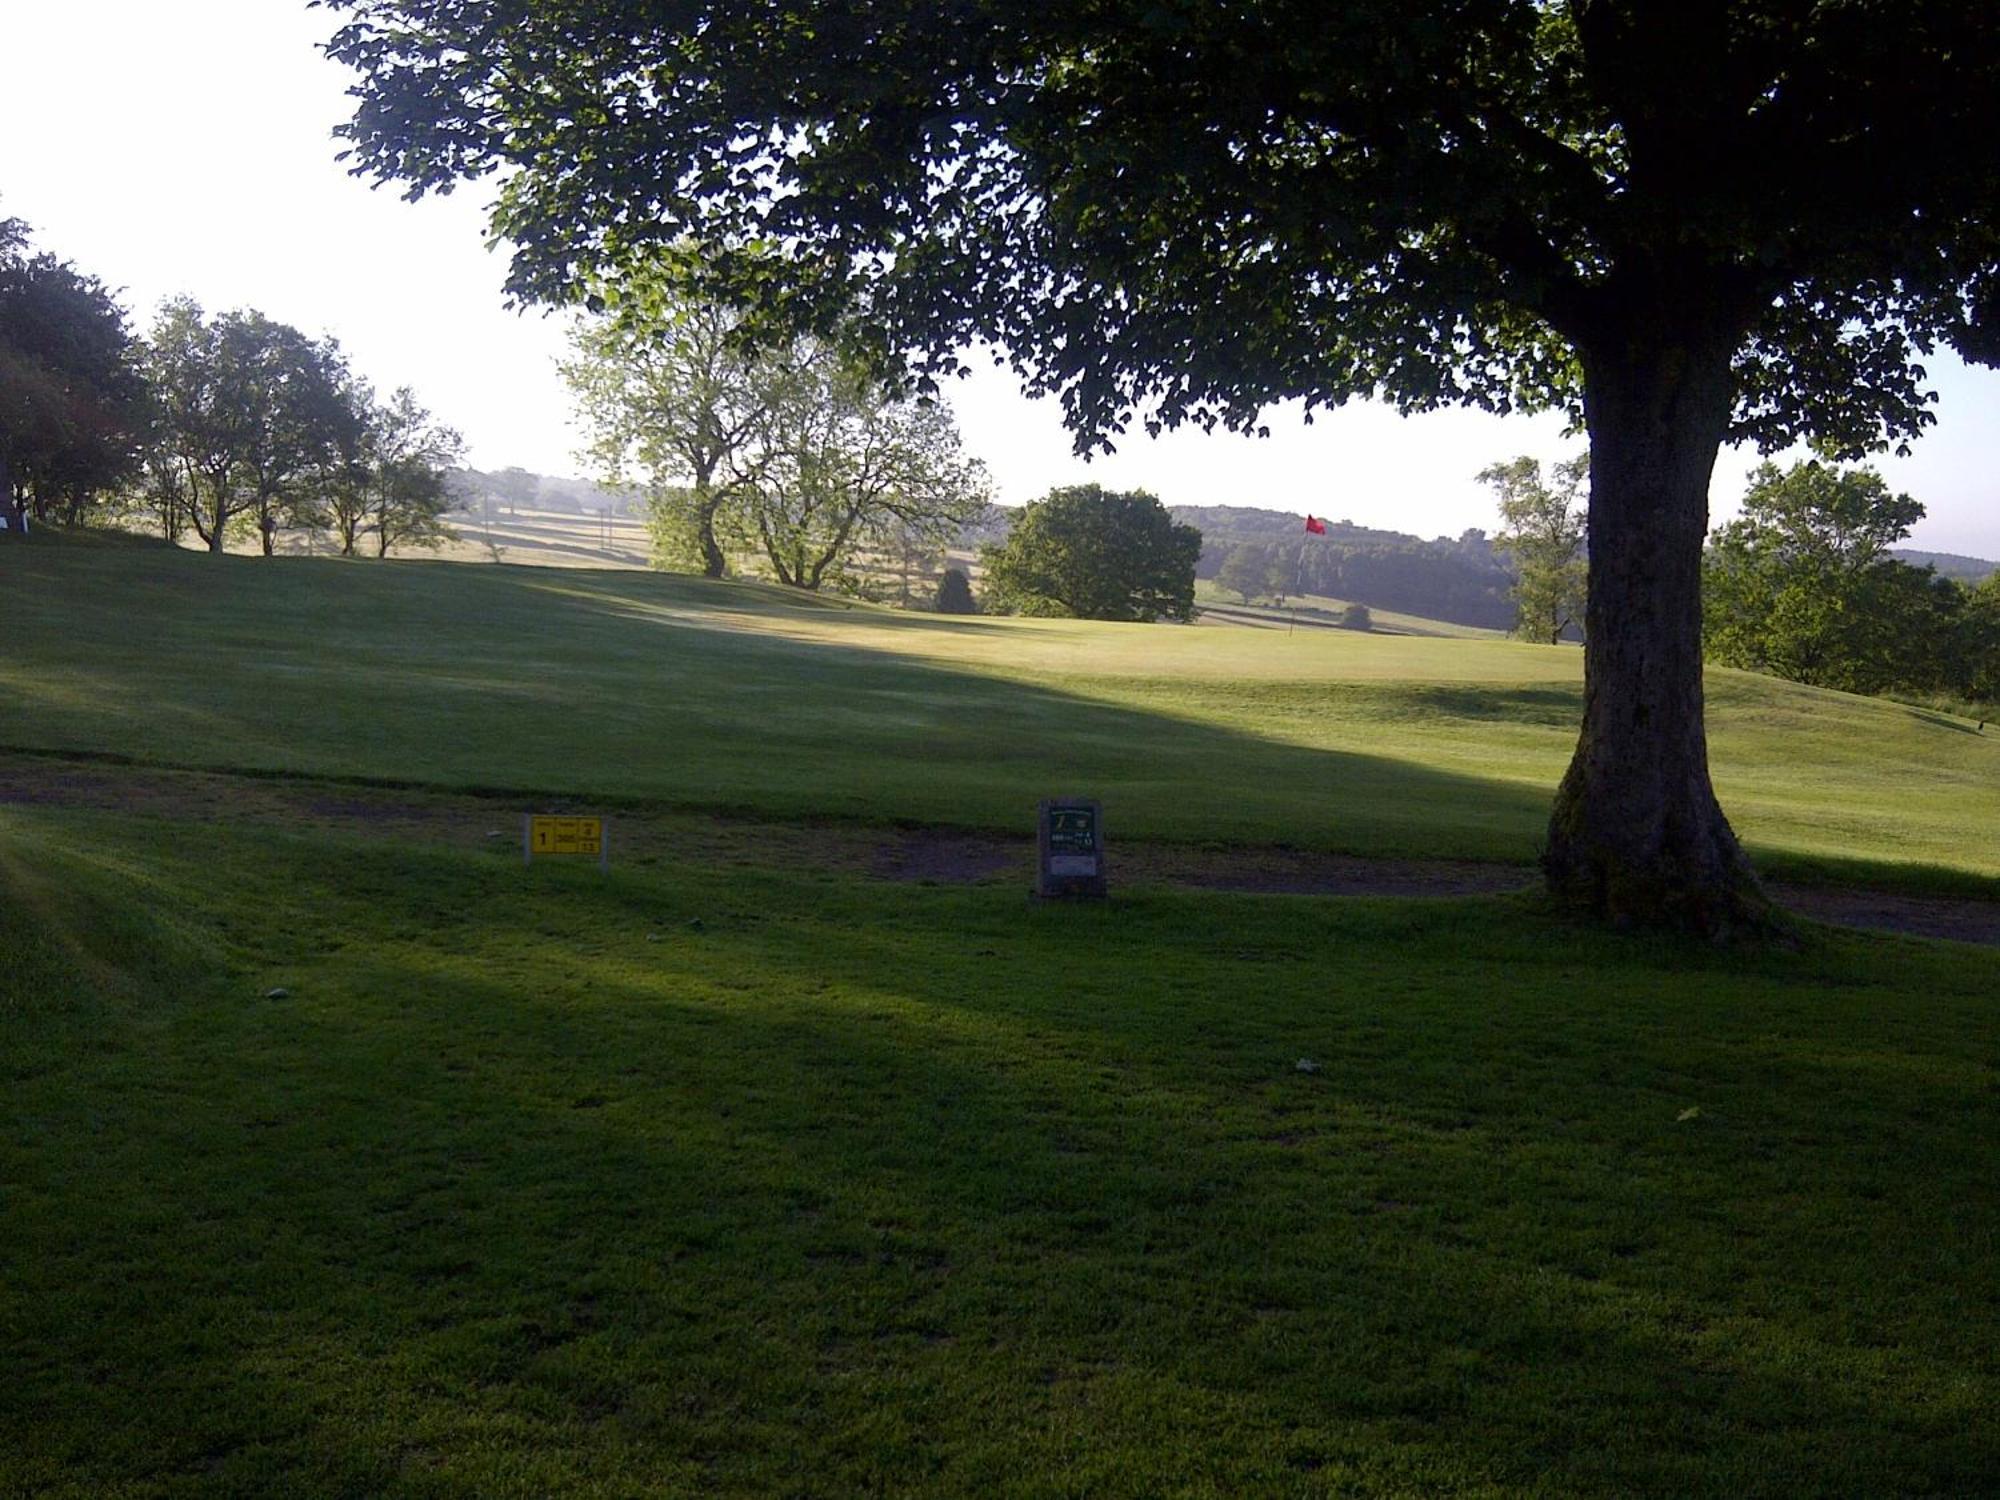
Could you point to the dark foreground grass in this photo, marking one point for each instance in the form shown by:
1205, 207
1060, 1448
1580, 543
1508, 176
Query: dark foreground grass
529, 1187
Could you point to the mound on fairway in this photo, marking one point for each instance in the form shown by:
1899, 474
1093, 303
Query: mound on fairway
681, 691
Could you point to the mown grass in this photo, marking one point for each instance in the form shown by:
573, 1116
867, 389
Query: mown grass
1224, 606
530, 1186
674, 690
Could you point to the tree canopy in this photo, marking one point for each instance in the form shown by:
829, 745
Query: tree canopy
73, 407
797, 451
1803, 585
1095, 554
1683, 223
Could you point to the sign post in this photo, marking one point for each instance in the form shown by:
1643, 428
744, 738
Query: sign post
1070, 849
545, 835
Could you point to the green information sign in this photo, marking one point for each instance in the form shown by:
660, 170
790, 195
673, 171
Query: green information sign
1070, 848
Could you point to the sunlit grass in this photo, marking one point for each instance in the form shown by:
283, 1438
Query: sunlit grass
673, 690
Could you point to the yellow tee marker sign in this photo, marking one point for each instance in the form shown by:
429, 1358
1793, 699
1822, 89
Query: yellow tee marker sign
545, 836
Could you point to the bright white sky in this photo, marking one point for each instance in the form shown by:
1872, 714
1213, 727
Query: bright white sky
185, 148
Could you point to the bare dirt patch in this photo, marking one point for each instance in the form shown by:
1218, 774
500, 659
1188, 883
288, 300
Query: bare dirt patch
940, 856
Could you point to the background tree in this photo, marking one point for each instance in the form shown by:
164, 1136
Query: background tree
847, 462
164, 496
954, 595
1096, 554
670, 399
517, 487
1727, 219
300, 419
915, 552
1277, 581
73, 402
346, 497
200, 380
1803, 584
1356, 617
408, 457
1543, 527
1244, 572
1977, 651
249, 414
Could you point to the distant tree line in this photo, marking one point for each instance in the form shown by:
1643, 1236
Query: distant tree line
1466, 580
232, 427
515, 488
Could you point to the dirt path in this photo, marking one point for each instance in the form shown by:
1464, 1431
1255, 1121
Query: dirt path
934, 855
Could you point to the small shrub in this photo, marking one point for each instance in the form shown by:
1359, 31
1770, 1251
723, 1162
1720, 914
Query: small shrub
954, 595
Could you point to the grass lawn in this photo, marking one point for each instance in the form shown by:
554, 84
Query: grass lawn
529, 1186
1223, 606
740, 1172
641, 686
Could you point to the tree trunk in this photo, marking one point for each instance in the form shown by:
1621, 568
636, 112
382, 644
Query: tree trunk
706, 503
1637, 835
713, 563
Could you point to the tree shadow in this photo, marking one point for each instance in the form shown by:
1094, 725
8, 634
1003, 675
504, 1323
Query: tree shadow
873, 1222
831, 728
1945, 721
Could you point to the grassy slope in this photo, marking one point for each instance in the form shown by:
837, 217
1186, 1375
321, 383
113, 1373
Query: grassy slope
630, 685
1219, 606
529, 1187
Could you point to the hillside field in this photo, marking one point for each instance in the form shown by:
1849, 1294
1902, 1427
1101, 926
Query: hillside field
342, 1155
658, 688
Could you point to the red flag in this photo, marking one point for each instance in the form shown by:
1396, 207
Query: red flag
1315, 526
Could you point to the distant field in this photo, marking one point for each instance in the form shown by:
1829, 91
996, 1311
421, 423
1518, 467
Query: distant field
531, 538
1220, 607
640, 685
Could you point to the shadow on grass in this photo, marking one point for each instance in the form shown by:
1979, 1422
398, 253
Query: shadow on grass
636, 690
944, 1194
626, 692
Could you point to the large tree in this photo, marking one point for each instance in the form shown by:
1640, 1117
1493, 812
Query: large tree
1095, 554
849, 464
1686, 223
73, 405
669, 398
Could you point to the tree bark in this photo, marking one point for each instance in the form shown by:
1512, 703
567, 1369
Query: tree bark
713, 563
1637, 835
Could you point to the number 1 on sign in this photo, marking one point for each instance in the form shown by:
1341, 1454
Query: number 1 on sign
551, 836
